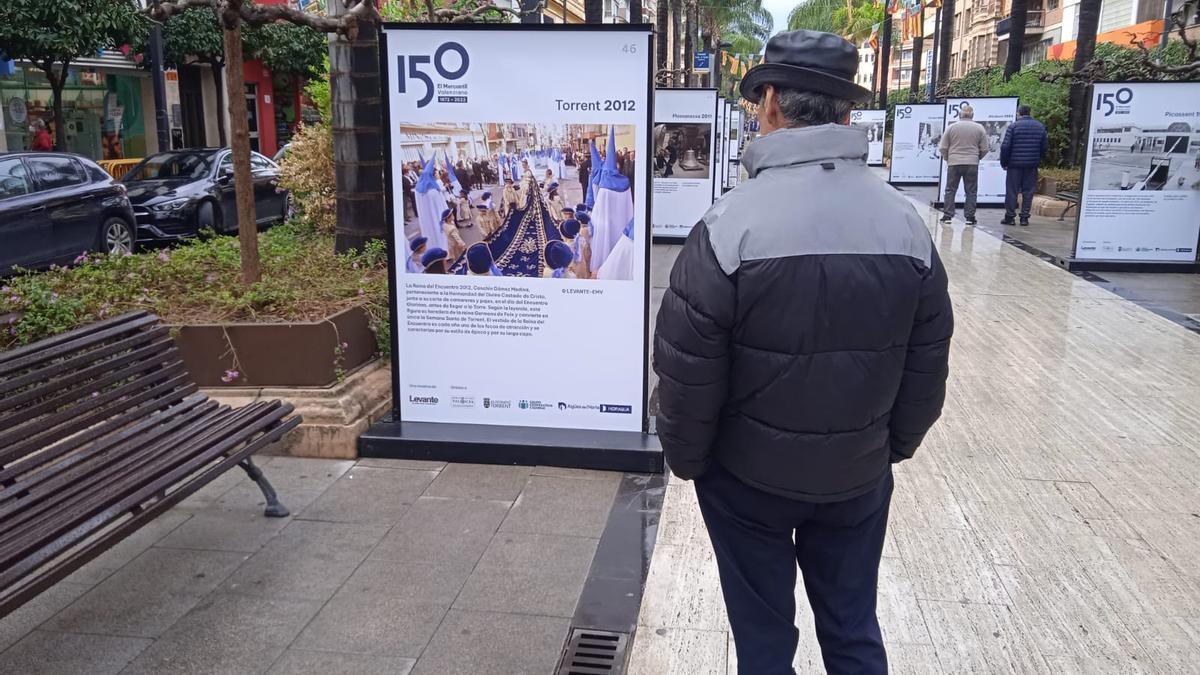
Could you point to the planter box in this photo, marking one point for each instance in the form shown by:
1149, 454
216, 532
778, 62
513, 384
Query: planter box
276, 354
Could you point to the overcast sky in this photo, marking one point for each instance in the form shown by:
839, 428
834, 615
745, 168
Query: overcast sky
780, 10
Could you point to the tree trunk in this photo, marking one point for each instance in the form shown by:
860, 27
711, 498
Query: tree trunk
945, 45
219, 83
676, 39
1085, 47
593, 11
357, 112
689, 44
529, 13
243, 182
661, 19
885, 47
1016, 38
914, 81
875, 75
635, 11
56, 89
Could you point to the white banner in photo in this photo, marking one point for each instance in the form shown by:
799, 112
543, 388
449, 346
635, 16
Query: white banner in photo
520, 222
1141, 181
722, 142
685, 123
995, 114
872, 123
916, 131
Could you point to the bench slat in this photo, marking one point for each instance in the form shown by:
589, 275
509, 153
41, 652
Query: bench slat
55, 571
156, 465
60, 345
81, 359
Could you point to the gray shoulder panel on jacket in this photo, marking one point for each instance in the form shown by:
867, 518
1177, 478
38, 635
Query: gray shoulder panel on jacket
809, 210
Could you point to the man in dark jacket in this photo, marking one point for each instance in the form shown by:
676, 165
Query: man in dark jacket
802, 349
1021, 153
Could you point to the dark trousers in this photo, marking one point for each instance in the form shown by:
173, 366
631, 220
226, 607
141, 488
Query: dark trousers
759, 538
1021, 180
969, 175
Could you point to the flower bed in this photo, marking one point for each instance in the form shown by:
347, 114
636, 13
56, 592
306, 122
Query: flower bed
197, 284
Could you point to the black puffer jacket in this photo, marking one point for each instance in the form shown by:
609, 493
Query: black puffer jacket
804, 340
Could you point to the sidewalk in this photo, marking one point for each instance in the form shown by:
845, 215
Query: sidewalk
1048, 524
387, 567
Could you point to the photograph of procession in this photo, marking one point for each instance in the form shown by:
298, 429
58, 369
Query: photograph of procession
995, 133
681, 150
1145, 157
519, 200
928, 139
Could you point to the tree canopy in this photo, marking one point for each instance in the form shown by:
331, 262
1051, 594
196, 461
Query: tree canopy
53, 33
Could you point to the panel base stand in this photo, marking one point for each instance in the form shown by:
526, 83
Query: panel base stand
528, 446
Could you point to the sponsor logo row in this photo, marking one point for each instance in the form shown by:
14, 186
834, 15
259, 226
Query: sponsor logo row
459, 401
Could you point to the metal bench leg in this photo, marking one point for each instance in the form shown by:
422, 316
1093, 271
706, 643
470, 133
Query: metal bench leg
275, 509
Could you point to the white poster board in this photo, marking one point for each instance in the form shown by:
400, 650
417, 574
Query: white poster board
729, 142
916, 130
525, 333
685, 122
1141, 178
722, 145
995, 114
872, 123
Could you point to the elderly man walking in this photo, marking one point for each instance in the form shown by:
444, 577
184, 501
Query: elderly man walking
801, 352
963, 144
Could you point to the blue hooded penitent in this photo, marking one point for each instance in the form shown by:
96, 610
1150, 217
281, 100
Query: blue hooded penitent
430, 203
614, 206
452, 176
516, 175
595, 177
421, 157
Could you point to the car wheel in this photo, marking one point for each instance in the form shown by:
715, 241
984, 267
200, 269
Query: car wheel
207, 217
116, 236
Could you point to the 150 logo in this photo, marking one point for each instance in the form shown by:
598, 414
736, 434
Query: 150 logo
954, 108
903, 112
1113, 102
856, 116
410, 67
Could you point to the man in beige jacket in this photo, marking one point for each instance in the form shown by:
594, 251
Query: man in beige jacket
964, 143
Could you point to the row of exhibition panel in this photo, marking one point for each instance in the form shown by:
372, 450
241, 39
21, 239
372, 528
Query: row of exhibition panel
523, 335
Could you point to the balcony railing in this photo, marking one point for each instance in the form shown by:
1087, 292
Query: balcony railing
1034, 18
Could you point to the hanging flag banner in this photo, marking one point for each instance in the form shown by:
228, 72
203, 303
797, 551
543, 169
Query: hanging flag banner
1141, 179
520, 281
916, 130
685, 122
995, 114
872, 123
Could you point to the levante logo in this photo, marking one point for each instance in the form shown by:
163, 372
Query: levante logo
414, 67
423, 400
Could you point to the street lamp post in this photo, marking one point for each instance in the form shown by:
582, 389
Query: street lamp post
158, 80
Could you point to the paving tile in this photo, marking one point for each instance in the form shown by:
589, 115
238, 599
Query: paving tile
148, 595
1172, 643
230, 526
309, 560
297, 480
948, 565
480, 481
129, 548
33, 613
309, 662
897, 608
908, 659
981, 638
529, 574
678, 651
483, 643
566, 506
385, 609
683, 590
369, 495
582, 474
443, 531
418, 464
227, 633
51, 653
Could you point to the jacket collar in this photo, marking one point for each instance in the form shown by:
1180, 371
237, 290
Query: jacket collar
805, 145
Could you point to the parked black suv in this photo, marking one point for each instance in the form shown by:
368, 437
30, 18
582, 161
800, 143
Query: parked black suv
176, 194
54, 206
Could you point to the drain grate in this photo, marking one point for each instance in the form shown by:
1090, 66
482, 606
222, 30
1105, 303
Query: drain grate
594, 652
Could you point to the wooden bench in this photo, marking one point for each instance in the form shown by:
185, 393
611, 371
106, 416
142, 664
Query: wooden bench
1072, 200
102, 430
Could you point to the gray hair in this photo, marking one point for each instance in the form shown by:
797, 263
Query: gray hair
966, 112
806, 108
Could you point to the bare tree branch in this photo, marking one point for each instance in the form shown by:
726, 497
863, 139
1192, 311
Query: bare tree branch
259, 15
1157, 67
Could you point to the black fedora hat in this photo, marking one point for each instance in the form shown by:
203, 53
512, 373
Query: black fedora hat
808, 60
